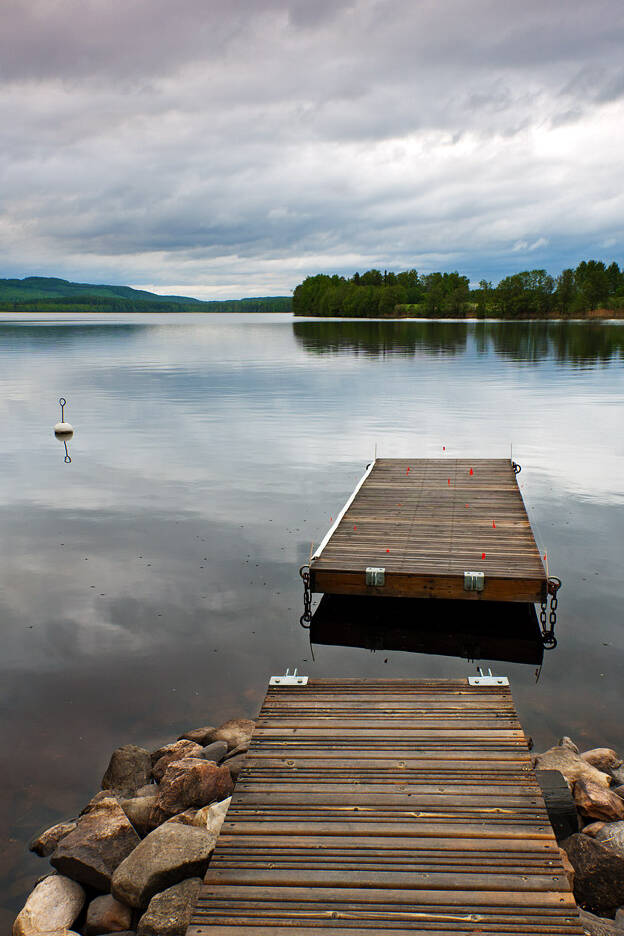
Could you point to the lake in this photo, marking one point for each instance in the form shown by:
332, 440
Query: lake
151, 584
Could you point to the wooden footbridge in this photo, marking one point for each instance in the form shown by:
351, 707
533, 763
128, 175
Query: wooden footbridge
439, 528
386, 806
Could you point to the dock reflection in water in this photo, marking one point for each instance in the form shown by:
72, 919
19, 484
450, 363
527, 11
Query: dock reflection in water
484, 630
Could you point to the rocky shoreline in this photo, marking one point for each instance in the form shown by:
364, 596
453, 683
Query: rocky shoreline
131, 863
594, 853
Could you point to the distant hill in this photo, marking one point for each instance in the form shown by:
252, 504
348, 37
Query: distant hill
49, 294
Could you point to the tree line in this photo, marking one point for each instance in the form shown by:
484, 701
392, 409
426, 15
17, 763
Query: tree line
120, 305
575, 293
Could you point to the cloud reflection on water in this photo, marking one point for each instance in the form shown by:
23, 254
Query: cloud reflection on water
209, 452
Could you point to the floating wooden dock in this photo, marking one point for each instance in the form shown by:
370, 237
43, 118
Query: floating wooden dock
386, 806
438, 528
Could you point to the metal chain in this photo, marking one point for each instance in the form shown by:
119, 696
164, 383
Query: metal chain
548, 630
306, 618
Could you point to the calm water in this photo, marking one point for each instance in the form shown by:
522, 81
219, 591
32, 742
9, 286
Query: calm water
152, 584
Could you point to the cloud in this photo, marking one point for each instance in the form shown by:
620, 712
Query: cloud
232, 149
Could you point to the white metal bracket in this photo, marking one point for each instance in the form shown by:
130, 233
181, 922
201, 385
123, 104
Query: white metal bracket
489, 680
288, 679
474, 581
375, 575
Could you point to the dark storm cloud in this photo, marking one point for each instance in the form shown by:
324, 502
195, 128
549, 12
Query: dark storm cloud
163, 143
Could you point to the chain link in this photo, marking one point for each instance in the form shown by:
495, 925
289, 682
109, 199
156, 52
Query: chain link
548, 630
306, 618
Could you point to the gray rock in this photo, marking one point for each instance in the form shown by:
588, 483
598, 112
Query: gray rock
190, 782
53, 904
619, 918
598, 874
138, 809
239, 749
612, 836
598, 926
618, 790
174, 752
101, 840
198, 735
45, 843
107, 915
129, 768
568, 743
235, 765
169, 854
570, 765
618, 775
214, 752
235, 732
169, 913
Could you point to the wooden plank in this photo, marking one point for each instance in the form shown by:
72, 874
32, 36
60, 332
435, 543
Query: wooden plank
394, 806
427, 521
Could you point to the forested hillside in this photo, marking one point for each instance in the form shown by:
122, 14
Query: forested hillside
575, 293
49, 294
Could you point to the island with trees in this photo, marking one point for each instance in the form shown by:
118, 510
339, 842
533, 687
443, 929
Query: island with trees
592, 289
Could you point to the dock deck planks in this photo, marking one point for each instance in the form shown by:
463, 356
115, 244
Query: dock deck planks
426, 522
386, 806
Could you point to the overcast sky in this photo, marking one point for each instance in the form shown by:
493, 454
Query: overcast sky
230, 149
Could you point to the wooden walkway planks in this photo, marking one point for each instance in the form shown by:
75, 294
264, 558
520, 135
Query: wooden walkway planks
426, 522
386, 806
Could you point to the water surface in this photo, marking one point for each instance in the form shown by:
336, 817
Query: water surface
152, 585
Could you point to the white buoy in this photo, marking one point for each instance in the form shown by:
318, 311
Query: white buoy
63, 430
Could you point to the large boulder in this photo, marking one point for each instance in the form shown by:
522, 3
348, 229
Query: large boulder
107, 915
101, 840
235, 732
169, 913
104, 796
54, 904
568, 867
598, 926
174, 752
169, 854
570, 765
597, 802
45, 843
618, 775
235, 765
129, 769
598, 874
212, 817
138, 809
198, 735
190, 782
611, 835
603, 758
214, 752
593, 828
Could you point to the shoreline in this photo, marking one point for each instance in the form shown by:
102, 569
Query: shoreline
132, 861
